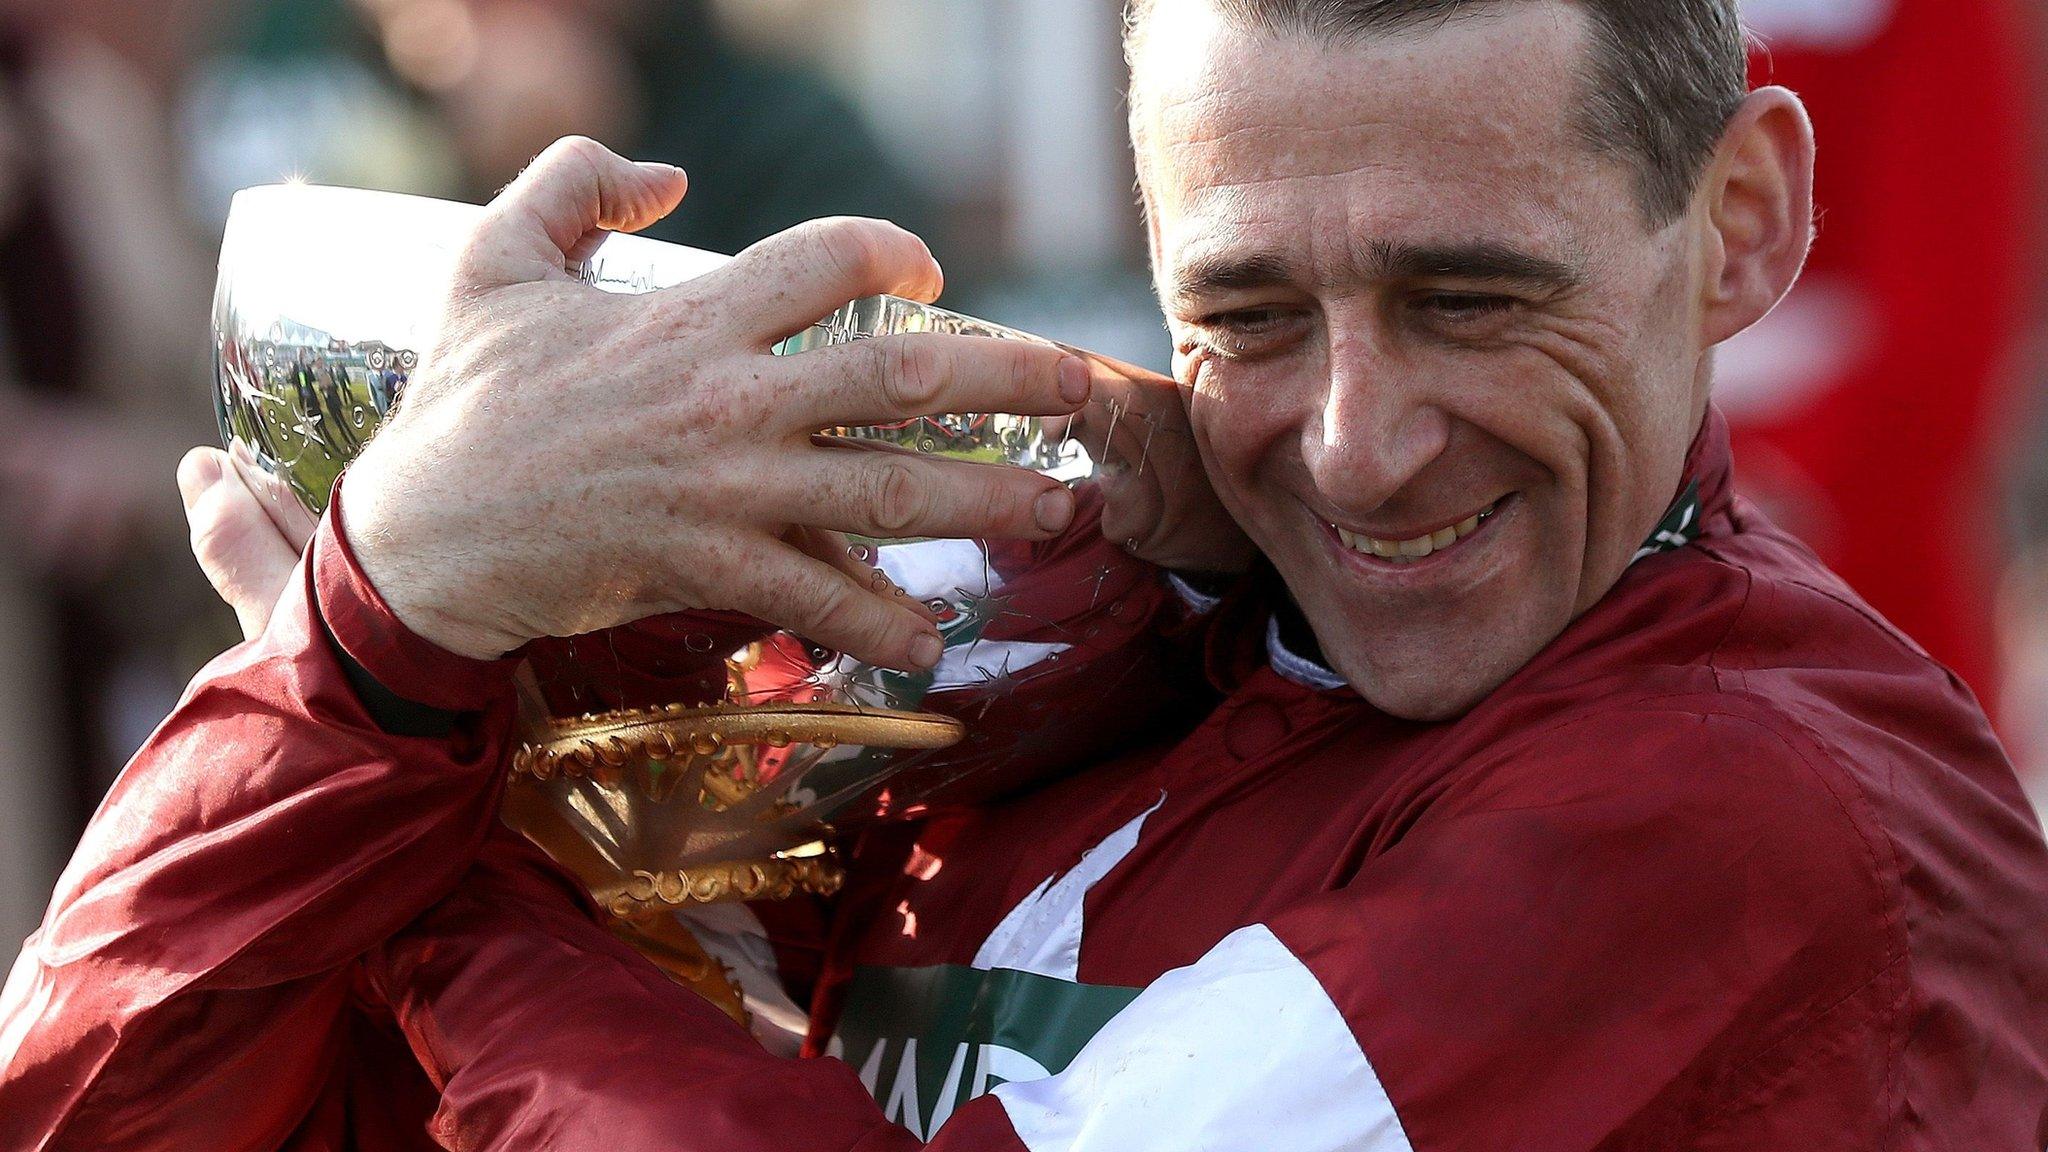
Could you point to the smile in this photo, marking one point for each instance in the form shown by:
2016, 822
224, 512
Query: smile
1419, 547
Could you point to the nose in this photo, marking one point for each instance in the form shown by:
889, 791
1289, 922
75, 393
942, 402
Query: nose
1380, 423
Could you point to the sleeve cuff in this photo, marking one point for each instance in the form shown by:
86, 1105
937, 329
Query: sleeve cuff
372, 637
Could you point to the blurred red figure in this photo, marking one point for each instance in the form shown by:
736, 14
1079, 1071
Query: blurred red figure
1870, 413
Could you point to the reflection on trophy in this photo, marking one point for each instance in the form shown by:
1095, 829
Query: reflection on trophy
325, 307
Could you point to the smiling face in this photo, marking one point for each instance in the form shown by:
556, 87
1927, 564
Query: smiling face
1441, 366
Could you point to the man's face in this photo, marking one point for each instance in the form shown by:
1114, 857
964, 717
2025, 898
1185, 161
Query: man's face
1440, 365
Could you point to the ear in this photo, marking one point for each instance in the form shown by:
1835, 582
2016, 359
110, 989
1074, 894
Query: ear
1758, 201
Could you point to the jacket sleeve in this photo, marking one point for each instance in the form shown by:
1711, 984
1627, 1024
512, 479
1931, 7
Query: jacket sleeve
313, 791
541, 1029
1677, 936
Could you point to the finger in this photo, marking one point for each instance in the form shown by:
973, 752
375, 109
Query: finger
576, 188
819, 603
791, 280
857, 561
837, 550
245, 558
1116, 438
293, 521
893, 495
901, 377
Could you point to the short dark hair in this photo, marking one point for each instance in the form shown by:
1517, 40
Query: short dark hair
1666, 75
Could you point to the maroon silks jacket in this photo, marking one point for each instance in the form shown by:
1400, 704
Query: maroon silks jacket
1731, 864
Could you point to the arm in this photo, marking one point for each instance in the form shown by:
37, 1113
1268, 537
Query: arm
573, 460
187, 985
1658, 938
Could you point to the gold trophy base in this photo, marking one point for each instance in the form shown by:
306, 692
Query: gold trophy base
658, 810
603, 793
645, 894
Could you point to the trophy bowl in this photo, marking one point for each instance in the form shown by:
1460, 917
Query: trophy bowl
326, 305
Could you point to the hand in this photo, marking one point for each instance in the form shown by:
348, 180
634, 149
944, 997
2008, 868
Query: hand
245, 556
572, 460
1158, 503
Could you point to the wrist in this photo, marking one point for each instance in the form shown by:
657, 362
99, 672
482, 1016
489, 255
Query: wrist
407, 579
383, 642
423, 617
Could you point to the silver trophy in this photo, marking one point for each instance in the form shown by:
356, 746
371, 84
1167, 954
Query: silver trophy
325, 307
328, 298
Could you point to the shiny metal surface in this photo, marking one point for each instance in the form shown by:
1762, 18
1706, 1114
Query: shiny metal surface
327, 305
673, 806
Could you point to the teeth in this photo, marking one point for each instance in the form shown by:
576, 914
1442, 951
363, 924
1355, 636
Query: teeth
1403, 551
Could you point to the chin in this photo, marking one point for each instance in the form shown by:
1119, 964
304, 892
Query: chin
1423, 685
1430, 643
1422, 700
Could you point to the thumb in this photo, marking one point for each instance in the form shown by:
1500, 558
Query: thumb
245, 557
200, 470
573, 190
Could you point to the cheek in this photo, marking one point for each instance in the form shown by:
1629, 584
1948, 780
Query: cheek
1570, 393
1520, 420
1639, 361
1241, 418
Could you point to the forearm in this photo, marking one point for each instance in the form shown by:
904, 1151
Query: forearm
540, 1028
192, 961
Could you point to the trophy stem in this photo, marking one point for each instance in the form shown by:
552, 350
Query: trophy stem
678, 954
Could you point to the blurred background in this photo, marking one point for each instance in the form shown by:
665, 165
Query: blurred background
1892, 412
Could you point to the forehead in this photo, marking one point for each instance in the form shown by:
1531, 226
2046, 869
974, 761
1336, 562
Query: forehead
1447, 131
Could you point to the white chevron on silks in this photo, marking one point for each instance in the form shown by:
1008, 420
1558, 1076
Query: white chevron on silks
735, 937
1242, 1050
945, 569
928, 568
1042, 934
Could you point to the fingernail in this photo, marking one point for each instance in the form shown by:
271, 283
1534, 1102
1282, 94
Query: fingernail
200, 473
1054, 510
1074, 380
925, 651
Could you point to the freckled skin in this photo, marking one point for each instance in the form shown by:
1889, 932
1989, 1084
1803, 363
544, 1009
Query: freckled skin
574, 460
1395, 401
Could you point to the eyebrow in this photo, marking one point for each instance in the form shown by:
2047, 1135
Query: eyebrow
1480, 260
1210, 275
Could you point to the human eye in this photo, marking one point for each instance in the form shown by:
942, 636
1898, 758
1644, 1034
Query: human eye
1464, 307
1245, 333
